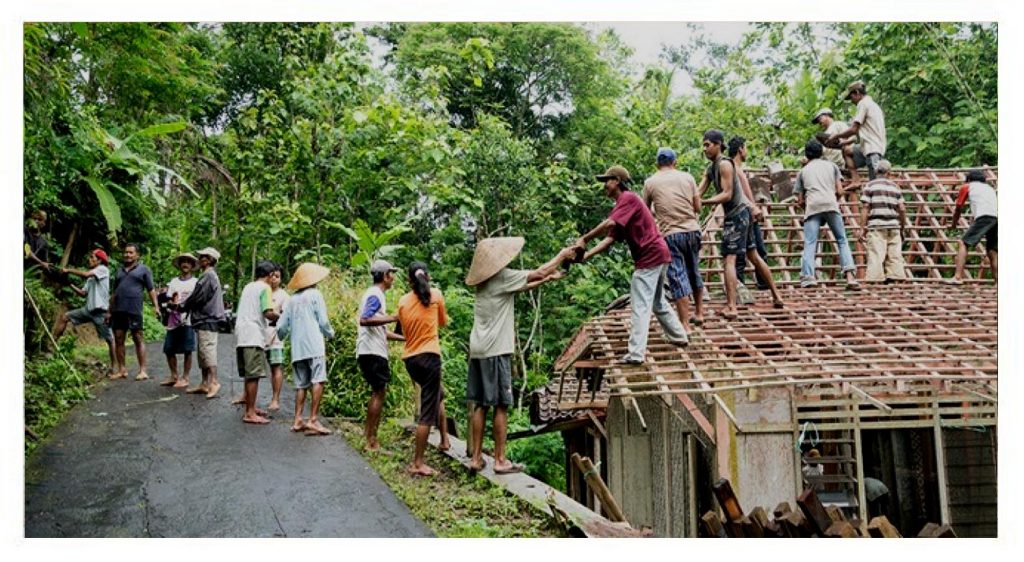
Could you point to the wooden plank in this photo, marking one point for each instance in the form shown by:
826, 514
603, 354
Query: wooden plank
933, 531
880, 527
813, 511
841, 529
712, 525
727, 500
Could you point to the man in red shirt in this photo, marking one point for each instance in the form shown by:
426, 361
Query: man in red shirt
632, 222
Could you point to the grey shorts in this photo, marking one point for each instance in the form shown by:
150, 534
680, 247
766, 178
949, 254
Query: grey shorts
206, 345
984, 226
252, 362
490, 381
97, 317
309, 372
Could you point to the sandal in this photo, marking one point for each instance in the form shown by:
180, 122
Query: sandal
778, 304
512, 469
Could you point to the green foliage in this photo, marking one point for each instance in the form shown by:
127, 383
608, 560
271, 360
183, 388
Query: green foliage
452, 503
51, 389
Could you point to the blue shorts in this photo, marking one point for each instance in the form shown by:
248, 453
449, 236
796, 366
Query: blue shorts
180, 341
684, 269
737, 233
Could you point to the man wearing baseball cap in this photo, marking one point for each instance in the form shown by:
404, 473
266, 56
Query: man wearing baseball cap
206, 306
372, 345
631, 221
97, 301
672, 196
868, 124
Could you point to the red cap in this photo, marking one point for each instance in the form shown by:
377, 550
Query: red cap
101, 255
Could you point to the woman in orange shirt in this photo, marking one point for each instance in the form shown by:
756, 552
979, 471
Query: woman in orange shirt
420, 313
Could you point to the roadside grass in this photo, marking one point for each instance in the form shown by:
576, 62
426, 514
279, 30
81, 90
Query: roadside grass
454, 504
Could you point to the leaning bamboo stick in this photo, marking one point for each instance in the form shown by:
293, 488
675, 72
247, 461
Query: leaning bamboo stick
593, 478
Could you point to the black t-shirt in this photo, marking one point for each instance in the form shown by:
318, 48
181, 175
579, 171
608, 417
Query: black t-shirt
38, 245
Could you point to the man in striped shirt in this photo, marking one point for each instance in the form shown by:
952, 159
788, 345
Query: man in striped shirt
882, 218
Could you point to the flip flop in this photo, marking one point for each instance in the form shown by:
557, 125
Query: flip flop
168, 382
475, 469
257, 421
696, 322
317, 432
514, 468
727, 315
778, 304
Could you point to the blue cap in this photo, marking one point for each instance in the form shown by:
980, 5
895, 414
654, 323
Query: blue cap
666, 156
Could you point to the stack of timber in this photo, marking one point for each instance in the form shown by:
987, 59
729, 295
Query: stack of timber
809, 519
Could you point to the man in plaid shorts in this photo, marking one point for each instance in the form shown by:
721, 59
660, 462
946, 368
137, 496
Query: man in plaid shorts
673, 199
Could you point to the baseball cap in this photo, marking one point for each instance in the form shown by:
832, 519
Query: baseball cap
382, 266
101, 255
615, 172
715, 136
855, 85
666, 156
822, 111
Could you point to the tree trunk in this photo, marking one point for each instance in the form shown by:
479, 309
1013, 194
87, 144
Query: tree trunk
67, 247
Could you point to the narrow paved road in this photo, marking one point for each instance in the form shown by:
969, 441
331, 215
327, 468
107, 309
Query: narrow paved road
129, 464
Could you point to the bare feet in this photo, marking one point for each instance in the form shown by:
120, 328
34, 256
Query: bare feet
169, 381
182, 383
508, 467
201, 389
213, 391
477, 467
299, 425
315, 428
255, 419
240, 399
274, 406
260, 412
444, 445
421, 470
119, 375
142, 376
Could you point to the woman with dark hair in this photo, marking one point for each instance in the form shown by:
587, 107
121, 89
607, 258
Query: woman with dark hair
421, 312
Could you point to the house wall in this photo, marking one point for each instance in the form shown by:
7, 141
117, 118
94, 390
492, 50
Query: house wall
761, 467
648, 470
971, 481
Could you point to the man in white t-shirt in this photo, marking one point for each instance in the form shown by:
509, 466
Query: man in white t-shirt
180, 338
97, 300
492, 341
868, 124
983, 207
255, 312
372, 345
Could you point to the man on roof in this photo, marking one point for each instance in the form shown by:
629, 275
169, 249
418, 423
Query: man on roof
983, 207
492, 341
631, 221
846, 154
868, 124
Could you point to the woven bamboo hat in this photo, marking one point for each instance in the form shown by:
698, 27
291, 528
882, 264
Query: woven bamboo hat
307, 275
183, 257
491, 256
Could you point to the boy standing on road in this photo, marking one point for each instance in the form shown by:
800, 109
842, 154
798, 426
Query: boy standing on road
255, 309
180, 338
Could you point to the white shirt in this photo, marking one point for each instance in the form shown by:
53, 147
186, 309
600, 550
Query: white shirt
250, 324
183, 288
372, 340
872, 126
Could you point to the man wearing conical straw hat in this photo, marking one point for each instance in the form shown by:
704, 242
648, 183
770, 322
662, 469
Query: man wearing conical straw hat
305, 320
492, 340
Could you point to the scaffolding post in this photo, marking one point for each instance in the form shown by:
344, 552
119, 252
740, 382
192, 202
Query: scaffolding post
940, 469
862, 507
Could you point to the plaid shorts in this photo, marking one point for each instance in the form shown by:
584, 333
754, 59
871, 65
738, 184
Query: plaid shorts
684, 269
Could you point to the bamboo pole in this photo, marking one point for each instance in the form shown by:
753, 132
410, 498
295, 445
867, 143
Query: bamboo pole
593, 478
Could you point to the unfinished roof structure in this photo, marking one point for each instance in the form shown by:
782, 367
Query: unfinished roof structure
912, 355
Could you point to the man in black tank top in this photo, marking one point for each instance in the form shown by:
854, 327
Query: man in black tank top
737, 235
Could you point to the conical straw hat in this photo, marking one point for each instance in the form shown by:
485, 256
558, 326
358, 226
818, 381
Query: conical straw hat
306, 275
491, 256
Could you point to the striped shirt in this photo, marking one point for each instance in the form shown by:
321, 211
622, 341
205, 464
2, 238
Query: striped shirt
883, 199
